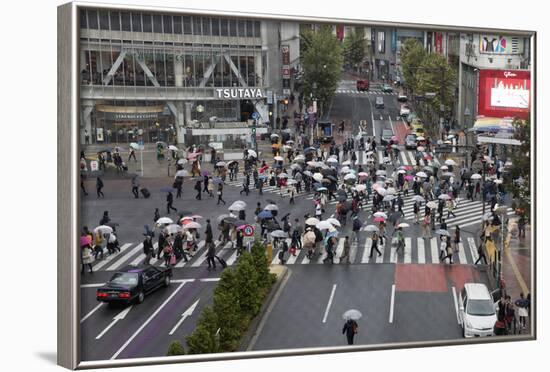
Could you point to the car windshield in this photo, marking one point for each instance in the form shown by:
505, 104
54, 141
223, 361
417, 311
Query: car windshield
480, 308
387, 133
124, 279
411, 137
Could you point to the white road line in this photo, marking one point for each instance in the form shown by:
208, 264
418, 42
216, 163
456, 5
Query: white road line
305, 260
112, 258
339, 249
123, 259
392, 301
276, 260
209, 279
137, 332
154, 260
353, 252
408, 251
391, 124
372, 118
381, 118
473, 248
404, 159
368, 244
329, 303
119, 316
231, 260
421, 251
91, 312
382, 249
393, 253
201, 259
292, 259
201, 245
322, 255
456, 305
461, 254
435, 250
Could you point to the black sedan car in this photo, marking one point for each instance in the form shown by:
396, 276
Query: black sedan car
132, 283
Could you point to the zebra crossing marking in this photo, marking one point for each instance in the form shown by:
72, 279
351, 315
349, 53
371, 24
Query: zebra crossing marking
421, 253
434, 250
408, 251
473, 248
111, 258
461, 254
339, 249
368, 245
122, 259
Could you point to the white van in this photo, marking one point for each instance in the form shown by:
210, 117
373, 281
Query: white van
477, 311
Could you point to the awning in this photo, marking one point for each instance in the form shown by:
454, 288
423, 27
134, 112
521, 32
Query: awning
493, 125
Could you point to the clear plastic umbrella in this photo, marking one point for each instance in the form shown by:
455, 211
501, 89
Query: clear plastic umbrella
352, 314
182, 173
324, 225
333, 221
442, 232
444, 197
164, 220
318, 177
271, 207
221, 164
347, 163
371, 228
422, 174
475, 176
388, 198
252, 154
418, 198
381, 214
450, 162
172, 229
103, 229
432, 204
403, 224
173, 148
312, 221
361, 187
279, 234
192, 225
278, 158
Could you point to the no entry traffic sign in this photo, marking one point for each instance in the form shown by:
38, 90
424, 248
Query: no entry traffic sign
248, 230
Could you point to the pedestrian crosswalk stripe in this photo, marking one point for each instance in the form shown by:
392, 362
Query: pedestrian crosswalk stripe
121, 261
473, 248
408, 251
404, 158
292, 259
111, 258
231, 260
353, 251
154, 260
461, 254
368, 245
305, 260
339, 249
200, 258
434, 250
393, 252
421, 253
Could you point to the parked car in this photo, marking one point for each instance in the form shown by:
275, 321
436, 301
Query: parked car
132, 283
410, 141
404, 111
402, 98
386, 88
386, 136
477, 310
362, 85
379, 103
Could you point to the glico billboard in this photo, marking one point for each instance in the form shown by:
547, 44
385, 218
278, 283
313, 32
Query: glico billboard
504, 93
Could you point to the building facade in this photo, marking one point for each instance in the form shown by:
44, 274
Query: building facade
178, 78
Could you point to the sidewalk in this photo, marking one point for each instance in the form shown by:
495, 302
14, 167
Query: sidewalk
516, 263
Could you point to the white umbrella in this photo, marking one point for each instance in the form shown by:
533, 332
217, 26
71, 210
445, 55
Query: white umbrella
237, 207
240, 202
192, 225
381, 191
497, 181
333, 221
103, 229
312, 221
450, 162
164, 220
291, 182
271, 207
221, 164
252, 154
324, 225
432, 204
286, 147
402, 171
381, 214
278, 158
386, 160
308, 173
295, 166
172, 229
388, 198
444, 168
279, 234
173, 148
299, 158
442, 232
112, 238
350, 177
391, 191
363, 174
182, 173
418, 198
345, 169
381, 172
361, 187
403, 224
447, 174
290, 142
347, 162
274, 135
182, 161
420, 138
420, 148
371, 228
444, 197
134, 145
332, 160
352, 314
487, 216
369, 153
422, 174
318, 177
476, 176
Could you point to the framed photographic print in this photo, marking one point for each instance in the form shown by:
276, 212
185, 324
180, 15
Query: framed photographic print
221, 175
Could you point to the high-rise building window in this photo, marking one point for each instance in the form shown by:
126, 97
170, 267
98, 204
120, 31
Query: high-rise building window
178, 25
83, 19
92, 20
187, 28
157, 23
206, 27
215, 27
104, 20
167, 24
125, 21
147, 20
115, 21
136, 22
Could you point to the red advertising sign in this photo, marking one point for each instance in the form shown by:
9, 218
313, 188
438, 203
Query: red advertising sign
340, 32
285, 52
438, 42
504, 93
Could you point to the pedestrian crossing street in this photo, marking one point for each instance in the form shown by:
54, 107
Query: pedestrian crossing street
370, 91
417, 251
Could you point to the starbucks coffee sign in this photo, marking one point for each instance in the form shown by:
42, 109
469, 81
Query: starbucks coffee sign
239, 93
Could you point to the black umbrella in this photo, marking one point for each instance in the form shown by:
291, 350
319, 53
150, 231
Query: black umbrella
332, 178
346, 206
394, 217
341, 198
230, 220
327, 172
467, 175
341, 192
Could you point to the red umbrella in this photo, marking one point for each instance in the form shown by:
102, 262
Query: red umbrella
409, 177
263, 169
427, 157
85, 240
408, 167
379, 219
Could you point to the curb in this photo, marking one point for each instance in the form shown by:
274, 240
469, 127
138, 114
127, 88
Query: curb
256, 325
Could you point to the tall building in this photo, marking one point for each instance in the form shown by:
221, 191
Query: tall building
180, 78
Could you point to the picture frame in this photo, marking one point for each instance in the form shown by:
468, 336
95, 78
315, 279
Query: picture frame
71, 138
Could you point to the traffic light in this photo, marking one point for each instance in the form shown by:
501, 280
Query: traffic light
254, 130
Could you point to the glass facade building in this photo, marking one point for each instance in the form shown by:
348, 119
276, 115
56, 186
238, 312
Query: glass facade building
147, 72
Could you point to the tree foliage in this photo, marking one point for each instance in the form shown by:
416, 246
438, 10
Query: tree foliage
322, 62
247, 282
175, 348
412, 55
435, 75
228, 310
355, 47
203, 340
519, 175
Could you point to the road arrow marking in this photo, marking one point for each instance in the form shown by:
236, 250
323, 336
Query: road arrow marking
120, 316
186, 314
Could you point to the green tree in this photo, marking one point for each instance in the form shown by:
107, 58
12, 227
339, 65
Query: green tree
355, 47
435, 75
265, 278
250, 298
322, 64
306, 34
412, 55
228, 311
203, 339
175, 348
519, 177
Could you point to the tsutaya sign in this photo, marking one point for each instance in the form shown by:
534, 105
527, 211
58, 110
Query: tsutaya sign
239, 93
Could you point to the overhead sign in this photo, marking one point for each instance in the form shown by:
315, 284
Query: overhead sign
504, 93
94, 166
239, 93
248, 230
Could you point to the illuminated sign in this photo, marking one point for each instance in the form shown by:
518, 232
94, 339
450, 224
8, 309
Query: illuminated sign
239, 93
